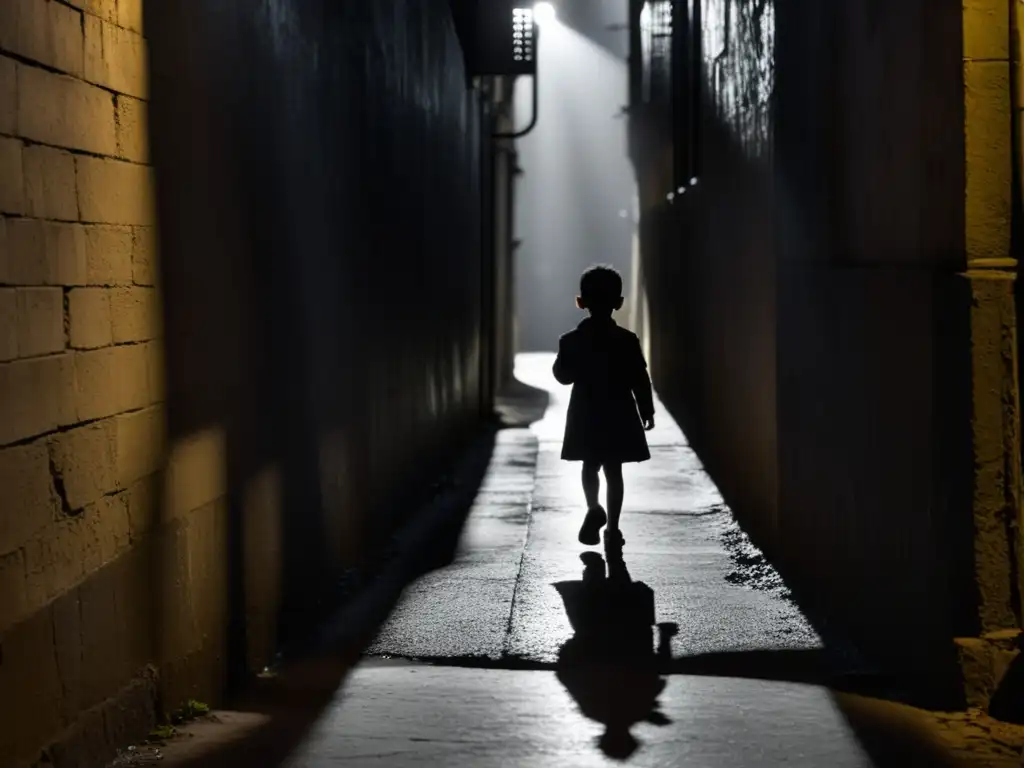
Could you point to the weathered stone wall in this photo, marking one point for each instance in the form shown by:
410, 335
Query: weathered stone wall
313, 326
81, 420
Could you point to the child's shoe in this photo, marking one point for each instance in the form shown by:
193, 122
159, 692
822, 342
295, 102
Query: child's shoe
613, 539
590, 532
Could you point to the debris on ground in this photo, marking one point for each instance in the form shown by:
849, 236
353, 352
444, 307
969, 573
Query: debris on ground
750, 567
151, 751
980, 739
137, 756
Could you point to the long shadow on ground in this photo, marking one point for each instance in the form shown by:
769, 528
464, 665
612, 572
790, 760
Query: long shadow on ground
615, 673
280, 708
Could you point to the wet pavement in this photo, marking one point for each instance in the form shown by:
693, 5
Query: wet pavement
498, 602
531, 650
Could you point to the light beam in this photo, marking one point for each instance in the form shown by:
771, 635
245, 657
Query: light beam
544, 13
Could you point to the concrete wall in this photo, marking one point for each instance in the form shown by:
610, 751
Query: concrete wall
874, 376
807, 318
319, 199
312, 323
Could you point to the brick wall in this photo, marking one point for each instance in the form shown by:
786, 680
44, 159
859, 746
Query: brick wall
81, 420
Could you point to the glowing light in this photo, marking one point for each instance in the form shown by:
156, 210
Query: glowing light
522, 34
544, 13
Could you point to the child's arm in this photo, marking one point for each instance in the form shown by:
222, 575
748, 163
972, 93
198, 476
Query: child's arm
563, 368
642, 390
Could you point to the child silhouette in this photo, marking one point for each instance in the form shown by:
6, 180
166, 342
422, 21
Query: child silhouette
611, 403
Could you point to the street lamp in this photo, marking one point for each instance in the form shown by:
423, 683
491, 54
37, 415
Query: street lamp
544, 13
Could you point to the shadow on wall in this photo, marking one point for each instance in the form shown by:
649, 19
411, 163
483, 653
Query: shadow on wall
824, 394
316, 387
278, 711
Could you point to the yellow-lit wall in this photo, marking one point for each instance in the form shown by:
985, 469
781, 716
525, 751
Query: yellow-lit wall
991, 272
81, 393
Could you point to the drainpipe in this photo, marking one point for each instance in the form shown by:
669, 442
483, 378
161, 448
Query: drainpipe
534, 89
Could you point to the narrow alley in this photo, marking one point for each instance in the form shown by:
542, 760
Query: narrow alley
280, 440
485, 662
464, 665
496, 602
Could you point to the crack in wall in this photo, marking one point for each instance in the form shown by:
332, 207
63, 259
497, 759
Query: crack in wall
58, 486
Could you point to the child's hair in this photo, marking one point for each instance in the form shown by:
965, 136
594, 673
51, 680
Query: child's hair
601, 288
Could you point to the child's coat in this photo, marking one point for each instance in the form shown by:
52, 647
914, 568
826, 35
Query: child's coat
611, 393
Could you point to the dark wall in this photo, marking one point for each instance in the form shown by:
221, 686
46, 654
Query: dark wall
807, 320
319, 169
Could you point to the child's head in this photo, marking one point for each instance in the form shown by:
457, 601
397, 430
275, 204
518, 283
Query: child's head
600, 290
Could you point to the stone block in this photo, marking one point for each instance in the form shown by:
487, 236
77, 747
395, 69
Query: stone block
50, 189
135, 314
141, 445
196, 472
132, 129
84, 461
102, 629
60, 110
111, 381
108, 521
8, 324
114, 192
986, 28
8, 95
40, 321
143, 497
67, 638
45, 253
36, 396
5, 252
89, 318
131, 714
115, 58
85, 743
30, 668
55, 561
30, 502
104, 9
65, 253
45, 31
14, 606
988, 159
156, 374
129, 15
12, 176
109, 255
144, 266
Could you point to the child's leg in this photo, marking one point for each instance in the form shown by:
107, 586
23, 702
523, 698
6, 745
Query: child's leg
591, 483
613, 476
